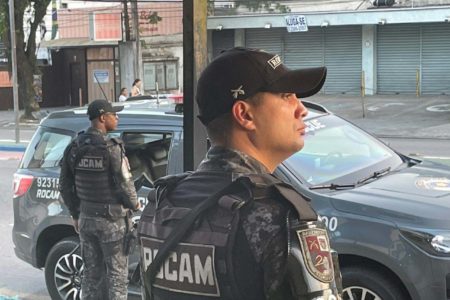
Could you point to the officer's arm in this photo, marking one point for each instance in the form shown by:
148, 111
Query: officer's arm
276, 286
122, 177
67, 185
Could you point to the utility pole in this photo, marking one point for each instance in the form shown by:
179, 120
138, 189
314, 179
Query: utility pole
194, 61
126, 20
12, 25
135, 14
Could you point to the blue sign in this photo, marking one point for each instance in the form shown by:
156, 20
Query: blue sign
101, 76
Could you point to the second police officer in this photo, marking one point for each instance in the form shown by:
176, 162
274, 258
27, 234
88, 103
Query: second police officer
231, 230
96, 186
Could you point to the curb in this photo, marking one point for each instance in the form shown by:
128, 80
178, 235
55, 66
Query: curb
13, 148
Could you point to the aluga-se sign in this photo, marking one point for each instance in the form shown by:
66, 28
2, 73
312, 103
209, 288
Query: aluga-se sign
296, 23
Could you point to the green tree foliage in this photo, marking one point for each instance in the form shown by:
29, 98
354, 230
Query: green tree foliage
264, 6
28, 15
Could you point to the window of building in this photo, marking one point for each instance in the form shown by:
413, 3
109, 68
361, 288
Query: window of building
161, 75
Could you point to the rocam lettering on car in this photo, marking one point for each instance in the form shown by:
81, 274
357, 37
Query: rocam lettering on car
313, 125
47, 188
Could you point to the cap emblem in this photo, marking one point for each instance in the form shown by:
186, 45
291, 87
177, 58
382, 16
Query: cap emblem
274, 62
237, 92
101, 110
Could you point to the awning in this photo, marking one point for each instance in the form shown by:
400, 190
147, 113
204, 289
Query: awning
76, 43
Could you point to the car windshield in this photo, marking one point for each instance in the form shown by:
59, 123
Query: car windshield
337, 152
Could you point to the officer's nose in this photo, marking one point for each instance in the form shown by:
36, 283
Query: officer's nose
301, 110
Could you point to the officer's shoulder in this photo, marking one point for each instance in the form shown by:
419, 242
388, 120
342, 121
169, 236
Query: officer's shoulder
261, 180
171, 180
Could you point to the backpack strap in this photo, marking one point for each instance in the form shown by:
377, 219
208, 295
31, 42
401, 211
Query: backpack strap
263, 182
184, 226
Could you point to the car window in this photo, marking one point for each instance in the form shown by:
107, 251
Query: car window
46, 149
335, 148
148, 154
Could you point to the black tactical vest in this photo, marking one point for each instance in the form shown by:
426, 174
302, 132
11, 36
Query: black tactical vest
93, 178
198, 264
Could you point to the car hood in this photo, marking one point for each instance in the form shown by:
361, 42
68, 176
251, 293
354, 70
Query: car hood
415, 195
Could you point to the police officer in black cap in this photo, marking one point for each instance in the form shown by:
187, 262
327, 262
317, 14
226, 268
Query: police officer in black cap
97, 188
231, 230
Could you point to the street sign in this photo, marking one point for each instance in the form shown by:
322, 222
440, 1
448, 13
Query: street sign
296, 23
101, 76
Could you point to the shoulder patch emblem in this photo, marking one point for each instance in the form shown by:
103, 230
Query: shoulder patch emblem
316, 253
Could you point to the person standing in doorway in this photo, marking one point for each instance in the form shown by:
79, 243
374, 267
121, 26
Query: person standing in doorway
136, 88
123, 94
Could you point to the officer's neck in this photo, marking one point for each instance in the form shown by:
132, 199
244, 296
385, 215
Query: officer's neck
100, 126
250, 150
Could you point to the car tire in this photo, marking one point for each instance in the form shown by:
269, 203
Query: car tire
63, 270
368, 284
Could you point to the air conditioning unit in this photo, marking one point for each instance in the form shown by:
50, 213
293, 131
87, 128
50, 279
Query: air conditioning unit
379, 3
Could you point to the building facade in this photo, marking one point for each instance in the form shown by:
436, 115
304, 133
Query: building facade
399, 49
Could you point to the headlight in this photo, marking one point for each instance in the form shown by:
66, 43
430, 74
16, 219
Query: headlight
441, 243
433, 242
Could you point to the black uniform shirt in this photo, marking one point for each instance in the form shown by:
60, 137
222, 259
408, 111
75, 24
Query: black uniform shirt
261, 243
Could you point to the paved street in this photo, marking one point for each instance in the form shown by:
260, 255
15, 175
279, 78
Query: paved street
17, 278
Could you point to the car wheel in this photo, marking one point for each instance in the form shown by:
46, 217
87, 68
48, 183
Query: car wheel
63, 270
361, 283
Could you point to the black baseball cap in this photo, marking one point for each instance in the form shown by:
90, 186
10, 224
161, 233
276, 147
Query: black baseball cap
99, 107
240, 73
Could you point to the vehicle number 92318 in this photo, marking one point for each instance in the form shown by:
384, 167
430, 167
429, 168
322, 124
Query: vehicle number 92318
47, 182
330, 222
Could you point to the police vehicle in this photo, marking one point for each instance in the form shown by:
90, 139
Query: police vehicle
387, 214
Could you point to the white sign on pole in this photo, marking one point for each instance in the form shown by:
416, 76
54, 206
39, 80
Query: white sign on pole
296, 23
101, 76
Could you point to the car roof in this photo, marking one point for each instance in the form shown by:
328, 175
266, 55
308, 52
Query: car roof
139, 113
76, 119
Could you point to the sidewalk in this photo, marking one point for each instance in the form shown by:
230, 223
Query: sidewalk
405, 116
7, 128
402, 116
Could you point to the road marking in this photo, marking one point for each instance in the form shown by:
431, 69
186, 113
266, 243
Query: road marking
439, 108
13, 141
8, 155
435, 157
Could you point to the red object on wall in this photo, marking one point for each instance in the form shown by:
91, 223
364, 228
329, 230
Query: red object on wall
108, 26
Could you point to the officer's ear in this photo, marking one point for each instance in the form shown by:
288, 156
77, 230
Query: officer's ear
101, 118
243, 114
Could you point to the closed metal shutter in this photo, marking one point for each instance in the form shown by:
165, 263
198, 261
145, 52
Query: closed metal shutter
435, 59
338, 48
270, 40
343, 59
304, 49
222, 40
398, 58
